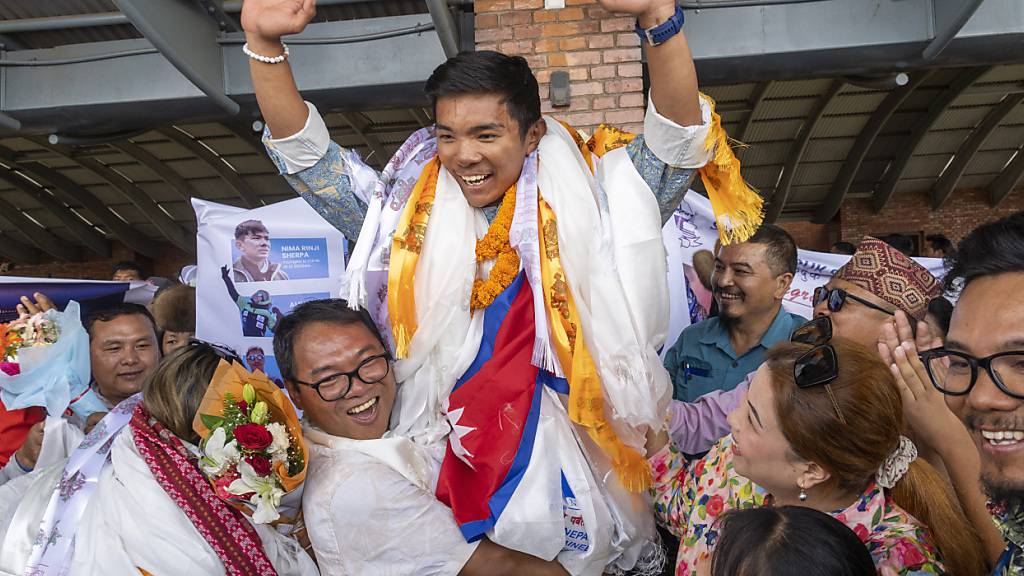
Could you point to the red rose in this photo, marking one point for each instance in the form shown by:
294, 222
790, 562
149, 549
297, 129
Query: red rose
243, 407
714, 506
261, 464
253, 436
10, 368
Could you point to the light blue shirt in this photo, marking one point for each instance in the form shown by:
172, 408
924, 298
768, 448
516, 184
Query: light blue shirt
702, 359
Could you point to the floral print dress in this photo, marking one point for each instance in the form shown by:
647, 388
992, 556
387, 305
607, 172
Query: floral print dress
688, 499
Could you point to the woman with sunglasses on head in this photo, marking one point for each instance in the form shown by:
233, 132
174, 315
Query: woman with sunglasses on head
133, 497
820, 426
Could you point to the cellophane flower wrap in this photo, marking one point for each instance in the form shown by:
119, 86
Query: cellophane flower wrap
46, 362
252, 446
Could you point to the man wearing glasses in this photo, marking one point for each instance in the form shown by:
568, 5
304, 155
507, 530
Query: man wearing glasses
368, 501
981, 369
863, 296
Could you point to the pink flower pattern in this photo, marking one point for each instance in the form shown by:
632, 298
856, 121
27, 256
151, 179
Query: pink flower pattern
688, 500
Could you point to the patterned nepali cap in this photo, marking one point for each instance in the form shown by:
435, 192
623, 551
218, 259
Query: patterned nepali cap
892, 276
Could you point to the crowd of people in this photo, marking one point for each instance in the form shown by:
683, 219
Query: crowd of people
489, 397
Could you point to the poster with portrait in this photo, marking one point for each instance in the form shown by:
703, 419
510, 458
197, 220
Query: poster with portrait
692, 228
255, 266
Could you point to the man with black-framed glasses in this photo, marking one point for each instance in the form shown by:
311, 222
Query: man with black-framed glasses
368, 501
981, 369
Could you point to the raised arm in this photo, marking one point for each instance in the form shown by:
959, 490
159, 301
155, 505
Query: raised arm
265, 22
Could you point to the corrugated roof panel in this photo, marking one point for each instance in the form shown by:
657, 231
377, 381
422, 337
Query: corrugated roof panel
827, 149
1004, 73
192, 168
808, 173
252, 164
839, 126
945, 142
763, 177
782, 108
773, 130
989, 162
764, 153
976, 181
812, 194
730, 92
961, 117
926, 167
864, 102
1005, 137
799, 88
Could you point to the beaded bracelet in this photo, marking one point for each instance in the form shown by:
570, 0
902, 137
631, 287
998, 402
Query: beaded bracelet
266, 59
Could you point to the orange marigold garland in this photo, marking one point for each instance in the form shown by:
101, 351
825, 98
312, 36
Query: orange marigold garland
495, 244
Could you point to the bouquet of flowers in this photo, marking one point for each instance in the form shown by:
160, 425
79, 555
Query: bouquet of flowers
252, 447
40, 329
46, 363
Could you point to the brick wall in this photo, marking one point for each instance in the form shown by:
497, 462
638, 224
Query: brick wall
912, 213
167, 264
600, 52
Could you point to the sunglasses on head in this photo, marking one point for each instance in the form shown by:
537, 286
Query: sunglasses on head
224, 352
836, 298
818, 366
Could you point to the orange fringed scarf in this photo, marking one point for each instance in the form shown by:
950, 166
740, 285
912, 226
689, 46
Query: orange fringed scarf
738, 208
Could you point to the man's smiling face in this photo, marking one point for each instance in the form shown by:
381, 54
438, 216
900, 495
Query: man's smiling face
325, 349
481, 145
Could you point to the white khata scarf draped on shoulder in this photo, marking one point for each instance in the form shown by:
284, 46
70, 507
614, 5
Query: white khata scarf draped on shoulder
591, 248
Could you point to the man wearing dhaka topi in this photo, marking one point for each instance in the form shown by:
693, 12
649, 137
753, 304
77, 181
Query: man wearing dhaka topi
517, 274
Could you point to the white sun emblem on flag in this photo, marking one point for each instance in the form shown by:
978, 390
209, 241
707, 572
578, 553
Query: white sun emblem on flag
455, 438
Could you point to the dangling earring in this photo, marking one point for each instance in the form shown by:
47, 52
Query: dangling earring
803, 494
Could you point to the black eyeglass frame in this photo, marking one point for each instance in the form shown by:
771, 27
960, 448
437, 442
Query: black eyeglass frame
354, 373
975, 363
843, 295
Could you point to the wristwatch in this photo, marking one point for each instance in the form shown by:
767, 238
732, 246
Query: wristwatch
662, 32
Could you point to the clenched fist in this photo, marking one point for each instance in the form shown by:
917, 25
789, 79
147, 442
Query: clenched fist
271, 19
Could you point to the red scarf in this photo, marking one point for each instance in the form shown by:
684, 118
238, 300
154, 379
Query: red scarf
230, 535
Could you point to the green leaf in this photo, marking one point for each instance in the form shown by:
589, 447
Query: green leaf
212, 422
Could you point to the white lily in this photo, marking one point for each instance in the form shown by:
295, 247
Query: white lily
218, 455
266, 491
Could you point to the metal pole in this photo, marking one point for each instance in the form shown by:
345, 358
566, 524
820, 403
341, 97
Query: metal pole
110, 18
444, 23
943, 38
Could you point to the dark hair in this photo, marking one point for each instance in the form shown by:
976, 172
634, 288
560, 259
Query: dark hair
112, 312
844, 248
788, 541
250, 227
489, 72
901, 242
941, 243
942, 309
991, 248
127, 265
332, 310
781, 249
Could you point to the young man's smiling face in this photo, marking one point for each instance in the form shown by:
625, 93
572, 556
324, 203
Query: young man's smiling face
481, 145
